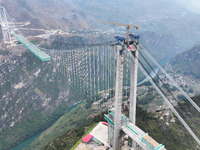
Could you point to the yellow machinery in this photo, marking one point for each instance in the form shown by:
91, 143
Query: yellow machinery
121, 24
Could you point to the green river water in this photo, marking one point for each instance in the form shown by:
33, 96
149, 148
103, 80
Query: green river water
30, 140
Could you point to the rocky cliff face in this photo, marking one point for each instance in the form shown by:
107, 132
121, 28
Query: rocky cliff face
27, 84
32, 96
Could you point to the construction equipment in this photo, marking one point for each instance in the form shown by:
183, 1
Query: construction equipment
121, 24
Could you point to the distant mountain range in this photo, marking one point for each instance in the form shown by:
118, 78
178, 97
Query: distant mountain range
163, 17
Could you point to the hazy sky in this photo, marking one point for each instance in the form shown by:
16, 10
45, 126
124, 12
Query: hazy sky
193, 5
196, 5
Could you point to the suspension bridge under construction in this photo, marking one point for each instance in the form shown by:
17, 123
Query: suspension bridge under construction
110, 69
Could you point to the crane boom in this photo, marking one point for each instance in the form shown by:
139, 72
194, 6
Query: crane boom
121, 24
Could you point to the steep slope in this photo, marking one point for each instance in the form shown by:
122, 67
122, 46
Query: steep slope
187, 63
49, 14
161, 47
78, 117
32, 96
172, 135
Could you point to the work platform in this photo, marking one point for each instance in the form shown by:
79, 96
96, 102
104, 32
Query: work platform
30, 46
139, 136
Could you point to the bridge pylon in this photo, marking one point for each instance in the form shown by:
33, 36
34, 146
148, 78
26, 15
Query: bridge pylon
118, 98
5, 26
119, 87
133, 83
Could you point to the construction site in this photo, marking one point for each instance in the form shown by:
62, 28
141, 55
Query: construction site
107, 70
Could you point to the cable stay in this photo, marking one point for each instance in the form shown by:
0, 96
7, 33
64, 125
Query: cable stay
158, 89
170, 78
169, 91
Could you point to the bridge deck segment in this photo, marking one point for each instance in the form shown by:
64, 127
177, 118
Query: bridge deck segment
35, 50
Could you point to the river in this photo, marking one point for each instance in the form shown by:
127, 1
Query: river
30, 140
153, 74
27, 142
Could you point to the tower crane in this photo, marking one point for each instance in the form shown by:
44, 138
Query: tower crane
121, 24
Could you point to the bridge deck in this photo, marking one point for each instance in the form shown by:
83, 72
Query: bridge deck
151, 141
35, 50
143, 139
135, 133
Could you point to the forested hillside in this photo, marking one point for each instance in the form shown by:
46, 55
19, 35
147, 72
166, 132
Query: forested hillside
187, 63
32, 95
167, 134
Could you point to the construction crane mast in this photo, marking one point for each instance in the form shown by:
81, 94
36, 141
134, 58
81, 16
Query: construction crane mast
121, 24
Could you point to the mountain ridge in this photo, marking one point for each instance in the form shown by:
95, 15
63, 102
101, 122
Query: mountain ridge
46, 14
187, 62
